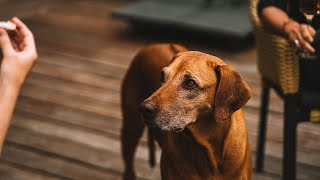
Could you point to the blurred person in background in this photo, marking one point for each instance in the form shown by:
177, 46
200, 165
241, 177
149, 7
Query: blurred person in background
17, 56
284, 17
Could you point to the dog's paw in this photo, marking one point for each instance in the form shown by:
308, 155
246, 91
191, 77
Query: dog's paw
129, 175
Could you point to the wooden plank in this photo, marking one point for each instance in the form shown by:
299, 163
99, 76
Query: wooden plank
77, 38
17, 8
84, 64
12, 171
98, 122
116, 57
62, 114
87, 137
74, 75
74, 143
54, 164
74, 88
81, 103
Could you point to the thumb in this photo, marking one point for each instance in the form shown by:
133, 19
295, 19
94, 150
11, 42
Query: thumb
5, 43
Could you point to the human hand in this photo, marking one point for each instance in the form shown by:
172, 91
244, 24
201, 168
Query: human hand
19, 54
301, 34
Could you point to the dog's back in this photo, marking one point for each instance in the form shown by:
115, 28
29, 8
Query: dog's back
144, 71
141, 80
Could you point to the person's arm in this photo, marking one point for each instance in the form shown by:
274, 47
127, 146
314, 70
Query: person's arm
278, 21
274, 18
19, 54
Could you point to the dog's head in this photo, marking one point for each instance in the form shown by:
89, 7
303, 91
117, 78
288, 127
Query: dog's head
195, 84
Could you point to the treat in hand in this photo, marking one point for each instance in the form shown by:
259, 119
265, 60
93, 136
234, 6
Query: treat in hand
8, 25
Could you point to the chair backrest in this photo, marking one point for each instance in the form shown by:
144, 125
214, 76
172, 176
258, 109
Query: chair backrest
277, 59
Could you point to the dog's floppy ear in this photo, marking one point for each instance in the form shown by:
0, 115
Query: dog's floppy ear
231, 94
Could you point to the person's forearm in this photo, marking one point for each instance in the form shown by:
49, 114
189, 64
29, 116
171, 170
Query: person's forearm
18, 56
8, 97
274, 18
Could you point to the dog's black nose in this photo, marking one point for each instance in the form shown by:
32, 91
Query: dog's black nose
148, 110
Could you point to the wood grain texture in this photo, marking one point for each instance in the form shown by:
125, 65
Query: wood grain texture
67, 120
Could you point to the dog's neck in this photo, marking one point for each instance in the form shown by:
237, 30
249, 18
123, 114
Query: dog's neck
209, 135
207, 130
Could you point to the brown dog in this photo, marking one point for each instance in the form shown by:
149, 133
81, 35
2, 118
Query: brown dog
194, 114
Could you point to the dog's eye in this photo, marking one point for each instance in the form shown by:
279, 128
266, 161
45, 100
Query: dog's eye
190, 84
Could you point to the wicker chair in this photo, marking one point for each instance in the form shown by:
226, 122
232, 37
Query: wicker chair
279, 68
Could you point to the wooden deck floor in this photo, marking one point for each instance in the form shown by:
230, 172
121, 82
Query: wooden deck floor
67, 119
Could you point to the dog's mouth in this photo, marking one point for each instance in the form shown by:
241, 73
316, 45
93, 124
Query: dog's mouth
148, 121
151, 121
168, 121
178, 129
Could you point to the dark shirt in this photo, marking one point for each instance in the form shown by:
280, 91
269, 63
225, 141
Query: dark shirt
265, 3
293, 11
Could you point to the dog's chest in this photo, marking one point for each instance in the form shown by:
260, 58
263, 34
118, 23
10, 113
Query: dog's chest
183, 155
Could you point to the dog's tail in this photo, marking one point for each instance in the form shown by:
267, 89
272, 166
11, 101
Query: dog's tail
152, 148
